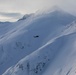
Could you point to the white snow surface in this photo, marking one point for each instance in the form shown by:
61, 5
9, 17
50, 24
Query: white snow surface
42, 44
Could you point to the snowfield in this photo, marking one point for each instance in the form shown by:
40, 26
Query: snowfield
43, 43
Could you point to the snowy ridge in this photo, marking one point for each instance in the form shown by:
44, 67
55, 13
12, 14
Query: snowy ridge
70, 28
30, 46
25, 17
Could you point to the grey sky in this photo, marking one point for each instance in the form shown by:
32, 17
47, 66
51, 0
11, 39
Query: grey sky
28, 6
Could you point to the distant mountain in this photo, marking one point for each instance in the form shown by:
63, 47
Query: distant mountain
31, 45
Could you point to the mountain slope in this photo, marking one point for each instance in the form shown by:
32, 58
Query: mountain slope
54, 54
31, 34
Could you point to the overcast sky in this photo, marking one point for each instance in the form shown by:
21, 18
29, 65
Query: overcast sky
14, 9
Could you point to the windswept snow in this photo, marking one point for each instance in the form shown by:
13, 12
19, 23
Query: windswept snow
42, 44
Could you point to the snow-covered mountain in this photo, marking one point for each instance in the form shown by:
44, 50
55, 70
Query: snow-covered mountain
42, 44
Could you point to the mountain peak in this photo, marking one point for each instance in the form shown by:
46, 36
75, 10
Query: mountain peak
49, 10
56, 8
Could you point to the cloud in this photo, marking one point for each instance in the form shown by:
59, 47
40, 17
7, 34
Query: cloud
24, 6
30, 6
15, 15
10, 16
